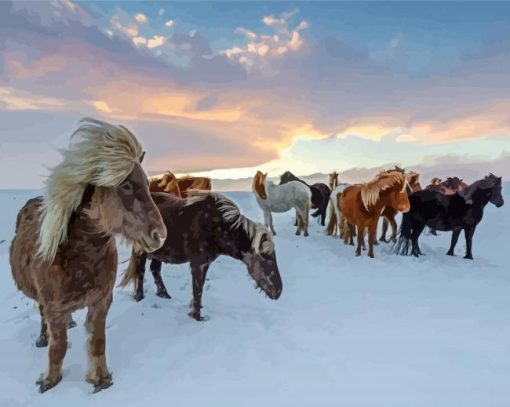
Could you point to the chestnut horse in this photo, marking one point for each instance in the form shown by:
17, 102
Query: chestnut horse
413, 179
188, 183
362, 204
63, 254
166, 182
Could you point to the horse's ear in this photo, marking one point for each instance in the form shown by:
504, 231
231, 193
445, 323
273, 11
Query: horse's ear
142, 157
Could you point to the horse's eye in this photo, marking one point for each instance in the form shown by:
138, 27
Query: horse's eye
126, 186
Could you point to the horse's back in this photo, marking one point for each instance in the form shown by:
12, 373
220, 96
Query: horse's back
282, 198
23, 246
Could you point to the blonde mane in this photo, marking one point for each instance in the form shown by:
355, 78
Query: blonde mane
99, 154
370, 191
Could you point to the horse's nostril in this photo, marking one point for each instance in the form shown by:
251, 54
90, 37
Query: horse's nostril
156, 236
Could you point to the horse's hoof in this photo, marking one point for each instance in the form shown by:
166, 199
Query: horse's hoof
468, 257
371, 256
383, 239
450, 253
163, 294
71, 324
394, 239
196, 316
41, 342
46, 383
358, 254
138, 297
306, 234
100, 383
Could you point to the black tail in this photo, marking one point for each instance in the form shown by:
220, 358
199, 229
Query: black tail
404, 238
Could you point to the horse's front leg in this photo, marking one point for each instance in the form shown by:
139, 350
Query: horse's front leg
417, 229
270, 221
384, 230
361, 241
455, 237
140, 272
156, 274
98, 373
57, 327
42, 340
198, 273
372, 238
468, 233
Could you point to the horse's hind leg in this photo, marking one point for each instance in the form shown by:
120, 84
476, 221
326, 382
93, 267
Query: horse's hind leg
57, 327
198, 273
98, 374
270, 218
455, 237
417, 229
156, 274
42, 340
372, 238
394, 229
306, 219
299, 222
361, 242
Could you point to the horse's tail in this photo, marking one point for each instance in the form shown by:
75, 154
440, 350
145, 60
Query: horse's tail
130, 273
404, 239
334, 213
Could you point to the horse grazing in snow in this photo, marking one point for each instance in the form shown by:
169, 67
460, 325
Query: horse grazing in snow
63, 254
448, 213
282, 198
204, 226
320, 195
362, 204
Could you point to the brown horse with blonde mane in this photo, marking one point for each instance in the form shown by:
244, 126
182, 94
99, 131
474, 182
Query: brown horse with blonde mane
64, 255
362, 204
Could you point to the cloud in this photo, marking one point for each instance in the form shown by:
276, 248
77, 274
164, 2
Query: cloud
161, 12
169, 23
156, 41
141, 18
13, 99
259, 48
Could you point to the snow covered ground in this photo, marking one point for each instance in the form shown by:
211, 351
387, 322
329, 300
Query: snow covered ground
392, 331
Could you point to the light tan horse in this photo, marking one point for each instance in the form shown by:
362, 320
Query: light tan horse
189, 183
166, 182
362, 204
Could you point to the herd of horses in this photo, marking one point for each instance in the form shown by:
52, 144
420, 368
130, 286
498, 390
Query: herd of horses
64, 253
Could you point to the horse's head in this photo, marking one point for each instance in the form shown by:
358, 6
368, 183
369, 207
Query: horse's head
261, 262
130, 211
435, 181
398, 197
259, 181
496, 198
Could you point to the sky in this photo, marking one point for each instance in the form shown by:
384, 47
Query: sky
225, 88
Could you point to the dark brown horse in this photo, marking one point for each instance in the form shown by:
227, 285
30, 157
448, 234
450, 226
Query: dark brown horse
63, 254
320, 195
205, 226
362, 204
413, 180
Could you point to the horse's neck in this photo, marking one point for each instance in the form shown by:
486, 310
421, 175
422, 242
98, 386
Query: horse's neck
237, 243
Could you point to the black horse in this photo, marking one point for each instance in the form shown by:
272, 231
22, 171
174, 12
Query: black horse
448, 213
204, 226
320, 195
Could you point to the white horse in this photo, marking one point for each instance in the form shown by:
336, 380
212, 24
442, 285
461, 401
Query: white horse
281, 198
335, 214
